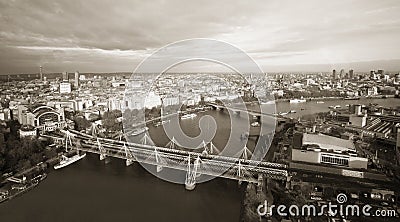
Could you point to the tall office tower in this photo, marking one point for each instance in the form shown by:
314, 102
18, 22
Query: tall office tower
371, 74
380, 71
351, 74
397, 77
334, 74
41, 73
76, 79
398, 146
341, 75
65, 76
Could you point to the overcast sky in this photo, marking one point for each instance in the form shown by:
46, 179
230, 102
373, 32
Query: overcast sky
103, 36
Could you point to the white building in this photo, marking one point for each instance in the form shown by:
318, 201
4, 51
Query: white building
152, 100
170, 101
323, 149
5, 114
65, 87
27, 131
41, 117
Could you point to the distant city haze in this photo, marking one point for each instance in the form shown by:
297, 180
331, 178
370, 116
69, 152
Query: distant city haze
115, 36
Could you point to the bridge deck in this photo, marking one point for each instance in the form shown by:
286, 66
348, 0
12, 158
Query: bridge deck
213, 165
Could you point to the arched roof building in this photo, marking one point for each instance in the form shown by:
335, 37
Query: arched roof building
47, 118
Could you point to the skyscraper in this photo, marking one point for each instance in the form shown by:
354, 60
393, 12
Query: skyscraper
351, 74
76, 83
65, 76
398, 145
41, 73
334, 74
341, 75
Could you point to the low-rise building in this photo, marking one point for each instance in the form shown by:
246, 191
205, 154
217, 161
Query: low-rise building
324, 149
27, 131
65, 87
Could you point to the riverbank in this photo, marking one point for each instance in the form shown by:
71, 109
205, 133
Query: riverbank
129, 193
29, 178
339, 98
44, 166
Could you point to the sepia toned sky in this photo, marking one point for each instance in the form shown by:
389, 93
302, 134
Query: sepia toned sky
108, 36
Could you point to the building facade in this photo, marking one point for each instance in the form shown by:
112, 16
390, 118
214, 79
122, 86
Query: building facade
328, 150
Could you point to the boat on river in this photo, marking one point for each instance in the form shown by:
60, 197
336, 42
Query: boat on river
18, 189
65, 161
352, 98
188, 116
297, 101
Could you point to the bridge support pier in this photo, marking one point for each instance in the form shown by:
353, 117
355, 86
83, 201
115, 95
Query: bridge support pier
159, 168
129, 162
260, 183
191, 174
103, 156
190, 185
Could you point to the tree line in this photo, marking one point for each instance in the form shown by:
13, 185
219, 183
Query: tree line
19, 153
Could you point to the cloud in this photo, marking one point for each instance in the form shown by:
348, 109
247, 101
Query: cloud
116, 35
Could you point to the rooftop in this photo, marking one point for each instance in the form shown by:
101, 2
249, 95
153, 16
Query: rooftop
328, 142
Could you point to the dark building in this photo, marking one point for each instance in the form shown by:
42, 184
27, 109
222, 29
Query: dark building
41, 73
341, 74
65, 76
334, 76
351, 74
297, 140
76, 82
398, 146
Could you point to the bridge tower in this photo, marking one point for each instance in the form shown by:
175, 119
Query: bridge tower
159, 160
209, 150
214, 149
146, 140
205, 149
94, 130
239, 172
101, 150
245, 153
172, 144
129, 156
68, 140
197, 165
120, 135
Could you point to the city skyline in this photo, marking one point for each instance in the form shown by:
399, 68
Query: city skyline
108, 37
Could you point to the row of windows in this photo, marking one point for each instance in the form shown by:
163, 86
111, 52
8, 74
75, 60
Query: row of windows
334, 160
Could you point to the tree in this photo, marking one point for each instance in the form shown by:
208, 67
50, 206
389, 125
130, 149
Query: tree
14, 126
2, 162
81, 123
110, 121
251, 202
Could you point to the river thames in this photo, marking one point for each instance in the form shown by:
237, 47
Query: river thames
91, 190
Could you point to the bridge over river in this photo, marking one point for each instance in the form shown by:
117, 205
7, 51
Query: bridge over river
206, 162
